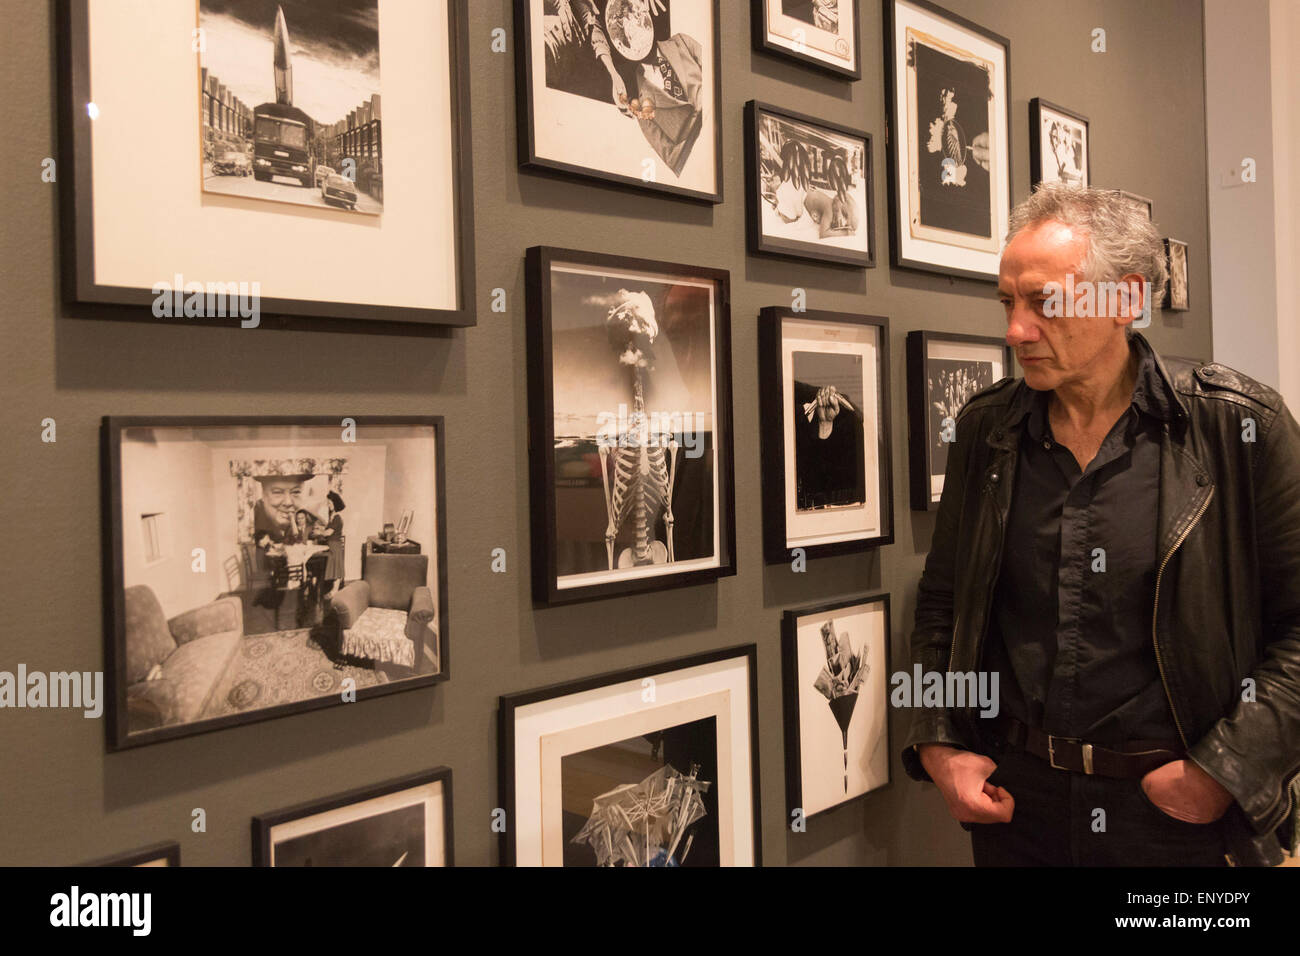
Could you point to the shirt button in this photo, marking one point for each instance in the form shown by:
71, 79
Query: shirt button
1047, 444
1202, 480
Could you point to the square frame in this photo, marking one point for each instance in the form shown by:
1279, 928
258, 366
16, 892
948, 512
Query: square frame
763, 42
1036, 158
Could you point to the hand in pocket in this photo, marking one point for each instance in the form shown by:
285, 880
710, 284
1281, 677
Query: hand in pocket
1182, 790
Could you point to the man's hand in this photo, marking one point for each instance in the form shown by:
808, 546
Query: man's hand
962, 778
1186, 792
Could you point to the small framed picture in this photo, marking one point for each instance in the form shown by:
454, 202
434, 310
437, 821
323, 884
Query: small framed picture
623, 91
250, 570
1176, 295
824, 399
1059, 151
159, 854
944, 369
949, 121
629, 386
809, 190
819, 33
835, 667
405, 822
1146, 204
597, 773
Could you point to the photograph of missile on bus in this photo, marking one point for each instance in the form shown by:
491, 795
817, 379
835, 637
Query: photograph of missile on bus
291, 105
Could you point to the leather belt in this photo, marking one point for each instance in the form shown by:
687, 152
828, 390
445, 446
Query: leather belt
1134, 759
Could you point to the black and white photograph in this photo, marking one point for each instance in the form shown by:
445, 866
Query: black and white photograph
950, 164
825, 436
622, 90
630, 413
1176, 295
818, 33
292, 108
835, 673
1147, 205
1058, 144
809, 187
943, 371
406, 822
597, 773
265, 567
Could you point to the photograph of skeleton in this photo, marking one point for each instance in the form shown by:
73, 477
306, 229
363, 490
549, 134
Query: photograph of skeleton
1176, 296
829, 458
291, 101
836, 662
821, 33
625, 90
1058, 144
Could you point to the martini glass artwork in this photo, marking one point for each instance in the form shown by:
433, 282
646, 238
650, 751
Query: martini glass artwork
839, 681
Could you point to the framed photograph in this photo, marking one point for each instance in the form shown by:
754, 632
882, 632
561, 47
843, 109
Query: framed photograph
405, 822
947, 82
629, 397
824, 400
1176, 294
256, 567
1142, 201
835, 667
159, 854
624, 91
944, 369
1058, 145
808, 188
819, 33
654, 766
288, 180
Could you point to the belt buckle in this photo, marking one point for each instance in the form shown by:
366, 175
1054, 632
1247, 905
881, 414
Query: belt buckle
1051, 752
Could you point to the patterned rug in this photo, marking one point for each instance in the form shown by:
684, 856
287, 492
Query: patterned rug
281, 668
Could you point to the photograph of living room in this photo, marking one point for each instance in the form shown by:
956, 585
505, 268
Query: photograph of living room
264, 565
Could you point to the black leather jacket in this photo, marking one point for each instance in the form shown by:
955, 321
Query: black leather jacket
1226, 621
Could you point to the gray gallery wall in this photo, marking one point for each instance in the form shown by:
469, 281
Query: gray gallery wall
65, 800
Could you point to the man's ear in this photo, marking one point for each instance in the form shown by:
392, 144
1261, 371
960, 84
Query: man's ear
1132, 304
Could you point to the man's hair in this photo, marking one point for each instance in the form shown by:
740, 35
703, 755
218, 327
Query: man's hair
1120, 236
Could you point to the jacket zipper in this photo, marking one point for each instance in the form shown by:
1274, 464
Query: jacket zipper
988, 596
1155, 608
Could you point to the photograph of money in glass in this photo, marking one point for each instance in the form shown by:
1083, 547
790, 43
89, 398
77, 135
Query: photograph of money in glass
809, 187
597, 773
626, 91
944, 369
950, 162
819, 33
835, 666
1058, 144
266, 566
824, 400
630, 417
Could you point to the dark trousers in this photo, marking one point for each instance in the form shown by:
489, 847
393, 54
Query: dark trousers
1064, 818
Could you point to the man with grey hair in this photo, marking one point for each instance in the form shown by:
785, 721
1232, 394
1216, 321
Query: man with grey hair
1119, 540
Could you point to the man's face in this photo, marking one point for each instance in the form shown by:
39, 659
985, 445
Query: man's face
1057, 349
281, 499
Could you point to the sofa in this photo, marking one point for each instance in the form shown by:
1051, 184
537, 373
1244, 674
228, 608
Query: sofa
173, 666
388, 616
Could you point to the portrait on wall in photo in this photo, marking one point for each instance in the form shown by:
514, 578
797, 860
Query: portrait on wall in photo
1142, 202
1176, 295
159, 854
809, 187
1058, 144
819, 33
598, 773
835, 666
404, 822
824, 405
944, 369
626, 91
630, 420
300, 189
265, 566
291, 111
950, 160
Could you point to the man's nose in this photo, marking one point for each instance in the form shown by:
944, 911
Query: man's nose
1021, 326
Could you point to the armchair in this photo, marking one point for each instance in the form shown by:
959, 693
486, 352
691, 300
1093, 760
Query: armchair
389, 615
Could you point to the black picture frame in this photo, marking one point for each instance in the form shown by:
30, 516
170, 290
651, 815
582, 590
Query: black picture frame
526, 113
116, 724
539, 263
263, 824
764, 43
1168, 303
509, 705
167, 853
920, 432
772, 414
894, 132
83, 296
1036, 157
790, 699
794, 248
